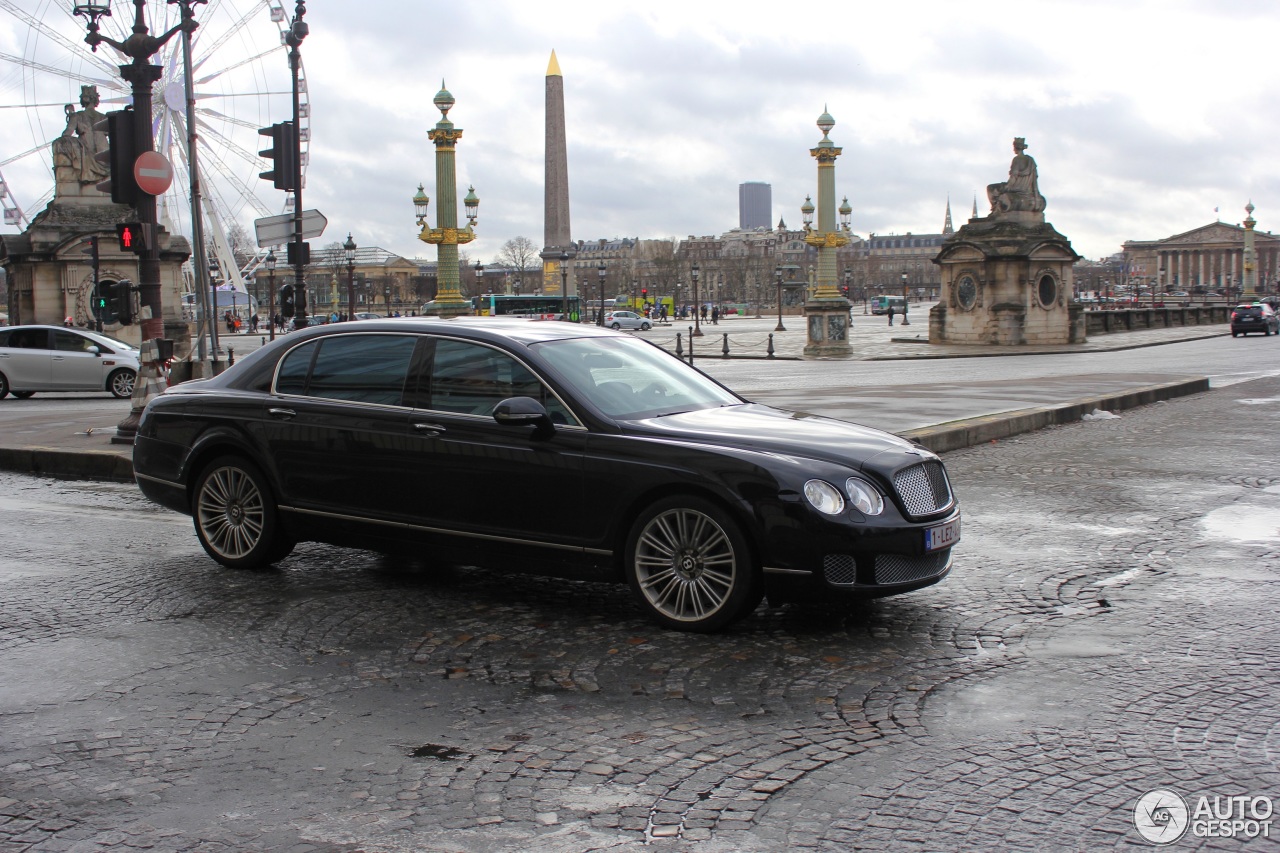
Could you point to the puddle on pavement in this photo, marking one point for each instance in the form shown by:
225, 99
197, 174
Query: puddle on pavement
1259, 401
438, 751
1243, 523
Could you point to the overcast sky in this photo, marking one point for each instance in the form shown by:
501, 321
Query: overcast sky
1143, 116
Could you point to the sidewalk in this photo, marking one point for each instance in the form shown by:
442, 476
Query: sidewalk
74, 440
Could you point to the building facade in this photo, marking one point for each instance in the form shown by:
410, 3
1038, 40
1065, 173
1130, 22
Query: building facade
1205, 259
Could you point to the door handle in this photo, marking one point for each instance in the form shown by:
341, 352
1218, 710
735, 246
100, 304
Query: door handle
283, 414
428, 430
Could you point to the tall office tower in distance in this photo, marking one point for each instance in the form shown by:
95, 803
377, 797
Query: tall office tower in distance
755, 205
556, 239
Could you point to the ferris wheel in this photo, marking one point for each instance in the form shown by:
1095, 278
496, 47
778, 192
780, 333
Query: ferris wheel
241, 79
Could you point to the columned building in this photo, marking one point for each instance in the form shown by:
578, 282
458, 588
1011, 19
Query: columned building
1208, 258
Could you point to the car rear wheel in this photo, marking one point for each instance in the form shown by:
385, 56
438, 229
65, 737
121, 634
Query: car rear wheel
4, 386
235, 515
690, 567
616, 326
120, 383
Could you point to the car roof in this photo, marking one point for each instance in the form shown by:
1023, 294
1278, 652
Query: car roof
518, 329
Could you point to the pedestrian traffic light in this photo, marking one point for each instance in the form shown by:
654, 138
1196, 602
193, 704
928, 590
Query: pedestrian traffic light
283, 153
122, 298
286, 300
102, 297
130, 234
121, 151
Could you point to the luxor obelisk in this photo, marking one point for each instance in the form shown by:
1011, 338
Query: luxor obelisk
557, 244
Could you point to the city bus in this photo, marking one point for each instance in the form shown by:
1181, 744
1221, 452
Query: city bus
533, 307
880, 304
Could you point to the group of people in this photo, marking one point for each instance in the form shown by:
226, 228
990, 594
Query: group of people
660, 313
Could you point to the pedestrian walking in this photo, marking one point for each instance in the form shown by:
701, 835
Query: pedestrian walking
890, 313
715, 316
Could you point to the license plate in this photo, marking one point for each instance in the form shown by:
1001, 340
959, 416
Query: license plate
942, 535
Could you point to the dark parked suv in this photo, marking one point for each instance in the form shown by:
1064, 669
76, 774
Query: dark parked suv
1257, 317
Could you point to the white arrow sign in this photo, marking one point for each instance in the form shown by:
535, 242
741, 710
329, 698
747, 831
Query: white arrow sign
274, 230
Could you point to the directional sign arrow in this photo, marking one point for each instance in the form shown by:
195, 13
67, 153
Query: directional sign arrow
274, 230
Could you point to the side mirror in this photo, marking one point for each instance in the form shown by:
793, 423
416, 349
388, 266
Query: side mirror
524, 411
93, 349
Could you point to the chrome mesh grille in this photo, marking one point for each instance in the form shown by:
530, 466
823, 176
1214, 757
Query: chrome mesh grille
895, 568
923, 488
840, 569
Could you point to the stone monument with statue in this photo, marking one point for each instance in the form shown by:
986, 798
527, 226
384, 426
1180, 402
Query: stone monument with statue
1006, 277
50, 265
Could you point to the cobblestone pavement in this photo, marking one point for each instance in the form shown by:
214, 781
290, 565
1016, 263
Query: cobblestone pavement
1108, 629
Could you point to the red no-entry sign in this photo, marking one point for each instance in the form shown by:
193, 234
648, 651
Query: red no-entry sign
152, 172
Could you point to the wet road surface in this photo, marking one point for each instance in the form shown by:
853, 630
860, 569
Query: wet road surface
1108, 629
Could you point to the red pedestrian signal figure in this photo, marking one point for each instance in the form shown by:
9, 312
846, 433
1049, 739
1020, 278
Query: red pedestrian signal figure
130, 234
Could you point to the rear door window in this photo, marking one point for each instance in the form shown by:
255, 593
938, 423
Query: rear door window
359, 368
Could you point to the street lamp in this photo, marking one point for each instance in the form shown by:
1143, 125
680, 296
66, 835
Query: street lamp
564, 285
480, 278
719, 293
446, 236
601, 269
848, 276
697, 303
777, 274
270, 264
905, 301
349, 251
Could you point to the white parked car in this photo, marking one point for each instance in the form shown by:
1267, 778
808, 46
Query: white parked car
626, 320
52, 358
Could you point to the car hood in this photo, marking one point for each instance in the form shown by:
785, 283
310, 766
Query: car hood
753, 426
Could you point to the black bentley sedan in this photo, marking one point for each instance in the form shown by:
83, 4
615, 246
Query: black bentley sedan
549, 447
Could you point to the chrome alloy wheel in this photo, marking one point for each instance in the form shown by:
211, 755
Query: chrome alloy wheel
685, 565
230, 512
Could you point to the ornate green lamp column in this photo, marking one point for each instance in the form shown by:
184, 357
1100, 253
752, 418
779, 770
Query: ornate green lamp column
826, 311
1250, 280
446, 236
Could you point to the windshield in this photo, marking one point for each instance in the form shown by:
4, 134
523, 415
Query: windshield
628, 378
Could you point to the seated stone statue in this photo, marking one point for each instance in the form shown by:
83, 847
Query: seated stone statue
1021, 192
73, 159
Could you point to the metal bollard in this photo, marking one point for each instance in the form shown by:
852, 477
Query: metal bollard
724, 350
231, 356
679, 348
691, 344
769, 351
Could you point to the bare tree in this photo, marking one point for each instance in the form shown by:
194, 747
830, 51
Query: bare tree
518, 253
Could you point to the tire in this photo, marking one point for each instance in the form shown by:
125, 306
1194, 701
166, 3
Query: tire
235, 515
4, 386
689, 566
616, 326
644, 327
120, 383
24, 395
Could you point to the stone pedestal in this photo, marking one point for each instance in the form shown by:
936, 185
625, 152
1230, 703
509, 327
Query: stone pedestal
827, 324
1006, 278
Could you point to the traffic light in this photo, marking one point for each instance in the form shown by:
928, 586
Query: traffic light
122, 301
102, 299
283, 153
644, 294
286, 300
90, 248
122, 150
131, 239
292, 258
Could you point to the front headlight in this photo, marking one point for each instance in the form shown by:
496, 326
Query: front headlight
824, 497
864, 497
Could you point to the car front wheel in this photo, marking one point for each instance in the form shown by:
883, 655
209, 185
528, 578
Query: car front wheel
4, 386
690, 567
120, 383
235, 515
644, 327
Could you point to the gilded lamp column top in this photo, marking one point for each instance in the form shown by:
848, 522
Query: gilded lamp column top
444, 134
